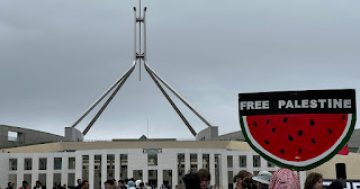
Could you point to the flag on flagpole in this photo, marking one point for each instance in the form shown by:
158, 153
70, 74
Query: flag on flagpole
344, 150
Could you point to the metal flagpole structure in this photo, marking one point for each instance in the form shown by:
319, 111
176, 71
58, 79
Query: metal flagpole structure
140, 58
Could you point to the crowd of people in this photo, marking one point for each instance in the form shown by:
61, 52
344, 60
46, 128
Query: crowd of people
280, 179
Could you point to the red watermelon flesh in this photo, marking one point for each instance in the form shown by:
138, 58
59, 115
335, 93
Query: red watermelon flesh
297, 137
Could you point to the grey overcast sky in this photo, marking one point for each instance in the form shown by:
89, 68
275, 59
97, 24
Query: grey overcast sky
57, 57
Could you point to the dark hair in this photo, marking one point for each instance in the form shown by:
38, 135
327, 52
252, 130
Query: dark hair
242, 174
336, 184
248, 183
312, 179
191, 181
25, 183
204, 174
84, 181
109, 181
121, 181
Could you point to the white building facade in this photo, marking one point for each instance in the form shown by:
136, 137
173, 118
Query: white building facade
155, 163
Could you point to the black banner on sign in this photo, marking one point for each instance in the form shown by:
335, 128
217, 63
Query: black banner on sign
294, 102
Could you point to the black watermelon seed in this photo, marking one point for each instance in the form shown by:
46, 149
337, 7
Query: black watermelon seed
343, 117
267, 122
285, 119
282, 151
300, 150
255, 124
329, 131
313, 141
300, 132
312, 122
267, 142
290, 138
273, 130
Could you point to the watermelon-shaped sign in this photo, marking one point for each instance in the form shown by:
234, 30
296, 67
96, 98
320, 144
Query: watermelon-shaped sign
298, 129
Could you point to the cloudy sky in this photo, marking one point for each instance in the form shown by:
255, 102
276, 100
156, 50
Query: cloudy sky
57, 57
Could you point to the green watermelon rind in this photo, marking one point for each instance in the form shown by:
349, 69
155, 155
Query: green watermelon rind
311, 165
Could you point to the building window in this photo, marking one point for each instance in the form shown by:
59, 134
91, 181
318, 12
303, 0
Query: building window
57, 163
123, 166
137, 174
205, 161
256, 161
230, 179
167, 178
42, 178
71, 163
71, 180
12, 136
181, 166
85, 167
28, 164
193, 162
217, 169
57, 180
153, 178
242, 161
152, 159
110, 166
97, 171
27, 177
42, 163
13, 179
12, 164
229, 161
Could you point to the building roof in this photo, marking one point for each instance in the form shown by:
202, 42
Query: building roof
79, 146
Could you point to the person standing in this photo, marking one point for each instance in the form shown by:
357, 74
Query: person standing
284, 179
38, 185
262, 179
85, 184
204, 177
10, 185
25, 185
314, 181
240, 177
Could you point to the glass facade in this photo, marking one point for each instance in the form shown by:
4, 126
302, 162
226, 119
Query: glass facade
180, 166
138, 174
12, 164
72, 162
256, 161
152, 159
57, 180
27, 164
97, 171
110, 166
42, 178
57, 163
42, 163
85, 167
242, 161
193, 162
123, 166
229, 161
153, 178
205, 161
167, 178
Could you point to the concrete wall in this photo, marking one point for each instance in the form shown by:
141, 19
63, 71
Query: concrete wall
209, 133
73, 134
25, 136
232, 136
